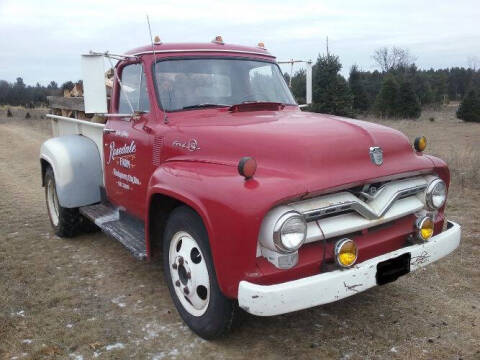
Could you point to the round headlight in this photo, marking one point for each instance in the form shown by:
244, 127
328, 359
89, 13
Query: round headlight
346, 252
436, 194
290, 232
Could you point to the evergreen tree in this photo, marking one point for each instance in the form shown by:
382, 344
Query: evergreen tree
360, 98
53, 85
386, 102
423, 89
298, 86
408, 105
68, 85
469, 109
331, 94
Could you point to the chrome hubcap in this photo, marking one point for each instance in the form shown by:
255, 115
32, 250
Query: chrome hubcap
189, 273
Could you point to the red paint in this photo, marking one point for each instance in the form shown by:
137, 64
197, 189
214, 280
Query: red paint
298, 154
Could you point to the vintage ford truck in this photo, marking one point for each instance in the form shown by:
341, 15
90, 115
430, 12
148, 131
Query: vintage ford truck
206, 161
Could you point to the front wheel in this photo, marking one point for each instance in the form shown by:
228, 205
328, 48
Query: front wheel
191, 278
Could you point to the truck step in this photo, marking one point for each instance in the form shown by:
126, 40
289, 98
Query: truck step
116, 223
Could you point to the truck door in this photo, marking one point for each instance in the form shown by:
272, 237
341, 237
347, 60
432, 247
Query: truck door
128, 143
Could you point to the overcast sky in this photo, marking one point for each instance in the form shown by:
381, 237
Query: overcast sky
42, 40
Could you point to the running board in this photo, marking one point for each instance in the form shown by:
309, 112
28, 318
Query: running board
121, 226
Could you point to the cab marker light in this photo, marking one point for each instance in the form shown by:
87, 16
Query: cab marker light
247, 167
420, 143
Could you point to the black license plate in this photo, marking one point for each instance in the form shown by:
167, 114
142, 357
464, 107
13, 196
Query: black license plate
390, 270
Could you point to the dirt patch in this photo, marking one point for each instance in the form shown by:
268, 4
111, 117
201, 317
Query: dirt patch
88, 297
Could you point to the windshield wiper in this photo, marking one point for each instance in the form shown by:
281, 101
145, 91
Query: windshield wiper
206, 105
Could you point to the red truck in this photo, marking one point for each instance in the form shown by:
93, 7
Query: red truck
206, 161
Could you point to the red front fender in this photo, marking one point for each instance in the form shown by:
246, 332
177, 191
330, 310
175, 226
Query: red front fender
231, 207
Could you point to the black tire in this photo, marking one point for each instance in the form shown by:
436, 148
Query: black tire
221, 311
69, 222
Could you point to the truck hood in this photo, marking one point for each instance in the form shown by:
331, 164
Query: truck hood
320, 151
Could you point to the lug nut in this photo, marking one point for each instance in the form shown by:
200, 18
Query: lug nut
180, 260
177, 283
185, 290
174, 266
189, 275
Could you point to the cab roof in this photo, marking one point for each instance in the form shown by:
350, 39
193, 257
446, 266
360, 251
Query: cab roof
200, 47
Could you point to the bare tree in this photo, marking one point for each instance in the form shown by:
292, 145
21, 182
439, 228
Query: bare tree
474, 62
393, 58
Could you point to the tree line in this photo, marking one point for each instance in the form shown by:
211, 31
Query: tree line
398, 90
19, 94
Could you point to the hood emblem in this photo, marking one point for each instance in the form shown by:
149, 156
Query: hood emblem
376, 155
191, 145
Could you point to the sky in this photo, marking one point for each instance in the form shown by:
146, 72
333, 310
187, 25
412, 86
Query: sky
42, 41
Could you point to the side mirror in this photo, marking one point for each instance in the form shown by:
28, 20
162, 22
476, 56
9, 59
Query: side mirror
94, 90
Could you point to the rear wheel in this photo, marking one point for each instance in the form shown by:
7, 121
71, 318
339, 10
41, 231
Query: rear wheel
191, 278
65, 222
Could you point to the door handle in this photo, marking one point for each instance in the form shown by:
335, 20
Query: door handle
109, 131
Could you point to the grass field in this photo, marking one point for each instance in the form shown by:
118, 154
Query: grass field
88, 298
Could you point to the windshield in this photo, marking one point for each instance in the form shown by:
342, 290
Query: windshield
190, 83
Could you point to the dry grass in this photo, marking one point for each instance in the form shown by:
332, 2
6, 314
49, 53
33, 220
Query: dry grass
451, 139
77, 299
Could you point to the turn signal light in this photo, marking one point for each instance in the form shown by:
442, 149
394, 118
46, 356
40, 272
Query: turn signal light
425, 228
346, 252
261, 45
420, 143
247, 167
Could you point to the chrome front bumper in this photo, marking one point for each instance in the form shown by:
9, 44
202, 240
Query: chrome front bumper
268, 300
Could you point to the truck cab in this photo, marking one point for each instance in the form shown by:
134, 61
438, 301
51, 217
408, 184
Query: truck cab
205, 160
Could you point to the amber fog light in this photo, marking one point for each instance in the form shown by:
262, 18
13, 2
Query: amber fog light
425, 228
346, 252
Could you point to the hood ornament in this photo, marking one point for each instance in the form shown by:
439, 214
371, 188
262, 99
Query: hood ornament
376, 155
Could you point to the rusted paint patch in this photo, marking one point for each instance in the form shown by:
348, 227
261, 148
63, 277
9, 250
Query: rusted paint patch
351, 287
420, 259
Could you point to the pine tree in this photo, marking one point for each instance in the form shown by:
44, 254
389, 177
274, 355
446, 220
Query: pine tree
386, 102
331, 93
360, 98
298, 86
469, 109
408, 105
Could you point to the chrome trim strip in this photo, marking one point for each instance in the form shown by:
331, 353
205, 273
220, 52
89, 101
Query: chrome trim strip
204, 50
349, 213
361, 207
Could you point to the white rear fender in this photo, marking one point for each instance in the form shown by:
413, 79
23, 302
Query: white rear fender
77, 167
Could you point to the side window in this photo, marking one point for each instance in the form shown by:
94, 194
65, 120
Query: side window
133, 90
